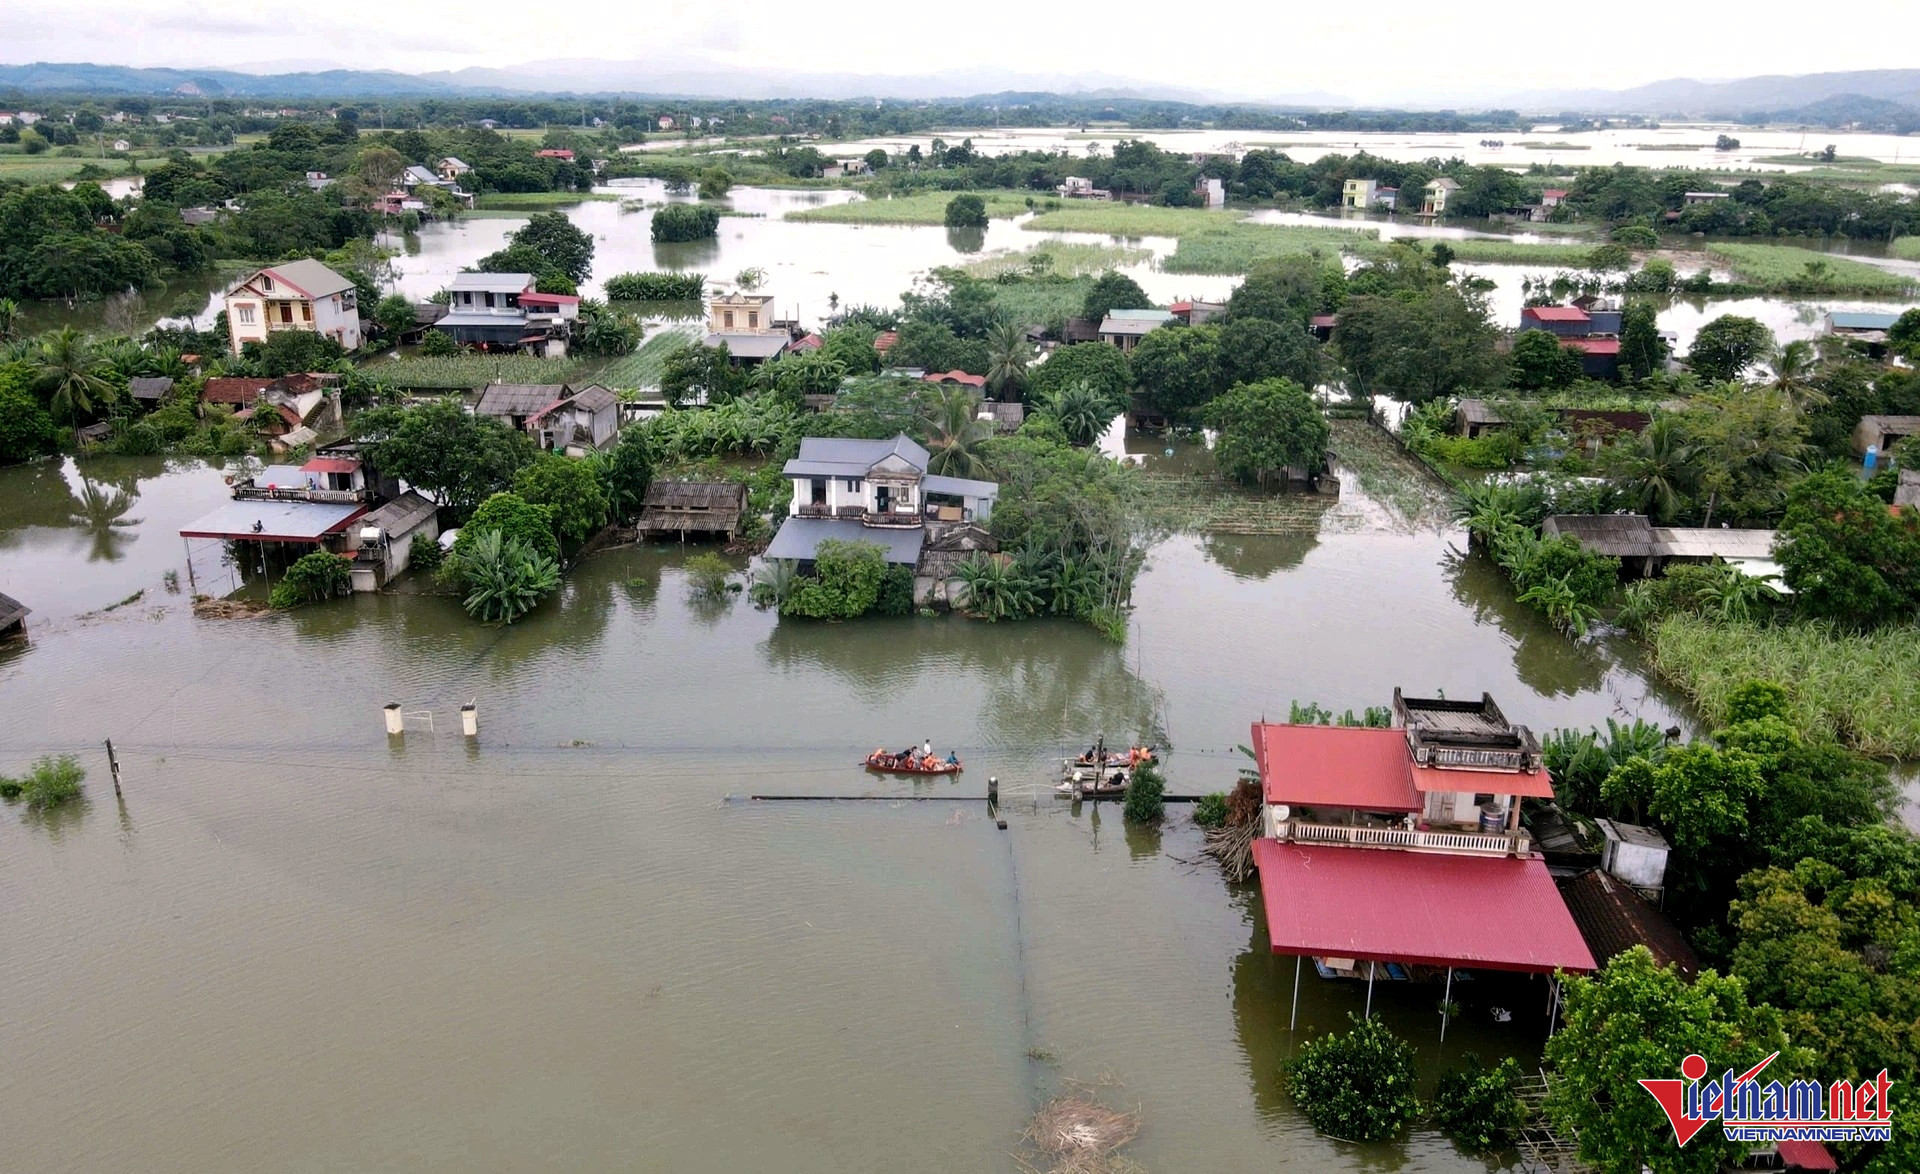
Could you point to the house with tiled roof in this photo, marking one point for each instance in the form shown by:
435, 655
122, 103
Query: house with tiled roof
294, 295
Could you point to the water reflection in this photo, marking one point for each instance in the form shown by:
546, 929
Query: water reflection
101, 511
1545, 660
967, 240
1256, 557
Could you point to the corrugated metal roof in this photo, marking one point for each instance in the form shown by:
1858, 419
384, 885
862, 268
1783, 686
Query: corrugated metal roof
310, 278
959, 486
492, 282
402, 515
1613, 919
798, 538
1555, 313
1335, 766
1712, 542
12, 611
1861, 320
1531, 784
274, 521
1423, 908
751, 346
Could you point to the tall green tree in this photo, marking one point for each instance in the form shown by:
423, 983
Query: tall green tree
1633, 1021
966, 210
570, 489
563, 246
1112, 291
1102, 367
441, 449
1008, 354
1267, 428
69, 370
1179, 369
1847, 557
1537, 361
1252, 349
1285, 290
1642, 350
1725, 347
955, 433
1437, 345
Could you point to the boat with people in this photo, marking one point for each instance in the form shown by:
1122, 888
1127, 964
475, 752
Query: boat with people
913, 762
1087, 783
1098, 755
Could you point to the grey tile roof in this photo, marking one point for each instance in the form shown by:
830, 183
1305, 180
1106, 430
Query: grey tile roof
492, 282
751, 346
519, 399
310, 277
832, 456
959, 486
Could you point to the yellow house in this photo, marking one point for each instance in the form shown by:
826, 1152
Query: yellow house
741, 313
298, 295
1438, 190
1358, 193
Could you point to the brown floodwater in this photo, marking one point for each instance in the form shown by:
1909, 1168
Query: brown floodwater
299, 944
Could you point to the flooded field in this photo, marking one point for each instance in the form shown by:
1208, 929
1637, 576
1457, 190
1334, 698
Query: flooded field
575, 942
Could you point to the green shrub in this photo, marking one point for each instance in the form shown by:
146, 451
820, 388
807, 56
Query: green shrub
425, 554
1495, 450
1477, 1106
1755, 701
1355, 1087
505, 577
1211, 810
1145, 792
438, 344
685, 222
707, 575
313, 577
656, 287
48, 783
514, 517
896, 592
845, 583
966, 211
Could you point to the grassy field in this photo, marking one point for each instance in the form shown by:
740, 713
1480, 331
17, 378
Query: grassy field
1861, 690
51, 168
1388, 474
1492, 252
1040, 301
1907, 248
1236, 247
918, 208
1787, 270
1191, 503
1063, 259
1116, 219
462, 372
642, 367
536, 201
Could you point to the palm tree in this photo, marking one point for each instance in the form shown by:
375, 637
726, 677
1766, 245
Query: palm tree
1794, 366
1008, 353
1082, 411
102, 513
955, 433
1660, 469
66, 366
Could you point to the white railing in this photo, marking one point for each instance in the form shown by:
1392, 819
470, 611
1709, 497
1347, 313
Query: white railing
1476, 757
1517, 843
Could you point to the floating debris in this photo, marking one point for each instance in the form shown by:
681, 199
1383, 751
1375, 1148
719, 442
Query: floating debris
1076, 1134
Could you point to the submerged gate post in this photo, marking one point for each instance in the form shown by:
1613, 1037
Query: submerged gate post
1371, 966
1294, 1021
1446, 1005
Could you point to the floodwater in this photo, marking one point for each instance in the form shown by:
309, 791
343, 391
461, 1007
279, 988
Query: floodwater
573, 943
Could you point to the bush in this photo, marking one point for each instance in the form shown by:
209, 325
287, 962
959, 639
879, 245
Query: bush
1144, 795
1211, 810
438, 344
1355, 1087
1635, 236
515, 518
896, 592
425, 554
685, 222
656, 287
845, 584
707, 575
313, 577
48, 783
505, 577
1476, 1105
966, 211
1755, 701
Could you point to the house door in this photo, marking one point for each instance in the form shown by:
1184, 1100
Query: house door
819, 491
882, 499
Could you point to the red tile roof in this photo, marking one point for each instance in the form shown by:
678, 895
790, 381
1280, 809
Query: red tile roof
811, 342
1483, 782
1555, 314
1805, 1155
554, 153
233, 389
885, 340
1613, 919
1593, 346
1326, 320
1180, 308
1556, 193
954, 377
1423, 908
1335, 766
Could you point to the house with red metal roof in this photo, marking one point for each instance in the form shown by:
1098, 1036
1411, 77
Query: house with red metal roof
1592, 332
1386, 851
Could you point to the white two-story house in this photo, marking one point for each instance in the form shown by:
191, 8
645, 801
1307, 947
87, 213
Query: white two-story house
872, 491
297, 295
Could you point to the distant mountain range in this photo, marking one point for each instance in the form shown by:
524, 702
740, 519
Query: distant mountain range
1885, 90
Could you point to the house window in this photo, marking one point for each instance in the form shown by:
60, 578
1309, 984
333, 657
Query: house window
489, 301
266, 282
819, 491
244, 312
1480, 800
286, 313
753, 320
728, 319
853, 484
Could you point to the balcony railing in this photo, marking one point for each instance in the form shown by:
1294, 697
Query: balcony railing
301, 493
814, 510
1475, 757
905, 518
1517, 843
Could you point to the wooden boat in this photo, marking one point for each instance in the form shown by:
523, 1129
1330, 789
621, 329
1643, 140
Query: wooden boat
1114, 758
1107, 784
913, 765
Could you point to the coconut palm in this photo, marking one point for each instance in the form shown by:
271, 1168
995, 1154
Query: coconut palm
1794, 365
1008, 353
1660, 469
1082, 411
66, 366
955, 433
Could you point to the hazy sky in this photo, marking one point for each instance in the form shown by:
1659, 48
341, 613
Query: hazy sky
1377, 51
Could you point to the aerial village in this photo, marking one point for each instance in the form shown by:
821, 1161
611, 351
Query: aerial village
1015, 453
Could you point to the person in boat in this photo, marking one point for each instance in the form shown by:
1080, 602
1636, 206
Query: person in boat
953, 759
926, 748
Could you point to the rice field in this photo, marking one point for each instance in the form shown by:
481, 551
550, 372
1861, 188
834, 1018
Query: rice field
1238, 247
1040, 301
1492, 252
1386, 473
1784, 269
918, 208
1907, 248
1862, 690
642, 367
535, 201
1191, 503
1117, 219
1061, 259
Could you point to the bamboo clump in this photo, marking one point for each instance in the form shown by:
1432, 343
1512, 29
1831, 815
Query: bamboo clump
1232, 843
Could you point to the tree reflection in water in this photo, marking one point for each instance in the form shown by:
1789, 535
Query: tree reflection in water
102, 512
1257, 556
1546, 661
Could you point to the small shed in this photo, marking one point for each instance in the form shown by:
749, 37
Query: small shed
701, 508
940, 559
1613, 918
382, 542
1634, 854
149, 389
13, 617
92, 434
1879, 432
1007, 415
1476, 417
